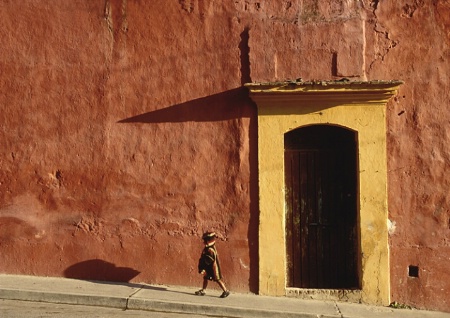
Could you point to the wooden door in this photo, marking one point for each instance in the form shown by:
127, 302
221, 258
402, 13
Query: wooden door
321, 218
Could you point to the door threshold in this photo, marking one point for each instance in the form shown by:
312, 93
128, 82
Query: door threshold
346, 295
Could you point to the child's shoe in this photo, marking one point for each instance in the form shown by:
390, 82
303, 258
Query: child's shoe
225, 294
200, 292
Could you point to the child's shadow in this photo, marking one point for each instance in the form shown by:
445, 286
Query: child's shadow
103, 272
100, 270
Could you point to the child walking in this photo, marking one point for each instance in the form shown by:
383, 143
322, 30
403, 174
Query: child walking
209, 266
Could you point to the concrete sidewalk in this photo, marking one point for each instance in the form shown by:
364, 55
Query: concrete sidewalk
182, 300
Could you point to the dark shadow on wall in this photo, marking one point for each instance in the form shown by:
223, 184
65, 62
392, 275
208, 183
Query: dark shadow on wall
244, 50
253, 226
97, 269
227, 105
218, 107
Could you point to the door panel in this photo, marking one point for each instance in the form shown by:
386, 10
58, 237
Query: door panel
320, 171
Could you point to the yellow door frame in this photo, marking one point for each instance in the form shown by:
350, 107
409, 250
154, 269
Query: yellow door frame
359, 106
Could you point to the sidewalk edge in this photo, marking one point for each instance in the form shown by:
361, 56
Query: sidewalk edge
131, 303
214, 310
64, 298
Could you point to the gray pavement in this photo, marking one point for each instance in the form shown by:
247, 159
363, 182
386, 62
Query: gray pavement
174, 299
30, 309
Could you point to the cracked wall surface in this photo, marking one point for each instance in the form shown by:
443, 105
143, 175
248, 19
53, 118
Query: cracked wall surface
126, 132
417, 156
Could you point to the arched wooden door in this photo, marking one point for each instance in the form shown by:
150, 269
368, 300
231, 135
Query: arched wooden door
321, 208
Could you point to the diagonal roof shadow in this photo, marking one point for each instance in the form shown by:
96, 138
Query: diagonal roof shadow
218, 107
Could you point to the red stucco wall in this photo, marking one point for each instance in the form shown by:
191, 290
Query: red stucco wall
125, 132
419, 149
125, 135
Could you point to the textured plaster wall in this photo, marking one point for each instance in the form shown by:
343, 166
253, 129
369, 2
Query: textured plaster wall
125, 133
418, 146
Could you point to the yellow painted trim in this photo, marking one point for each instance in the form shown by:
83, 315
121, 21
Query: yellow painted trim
360, 107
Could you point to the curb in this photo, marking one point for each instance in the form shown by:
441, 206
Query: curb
130, 303
62, 298
221, 311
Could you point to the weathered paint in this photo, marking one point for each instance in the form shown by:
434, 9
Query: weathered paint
283, 107
125, 130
